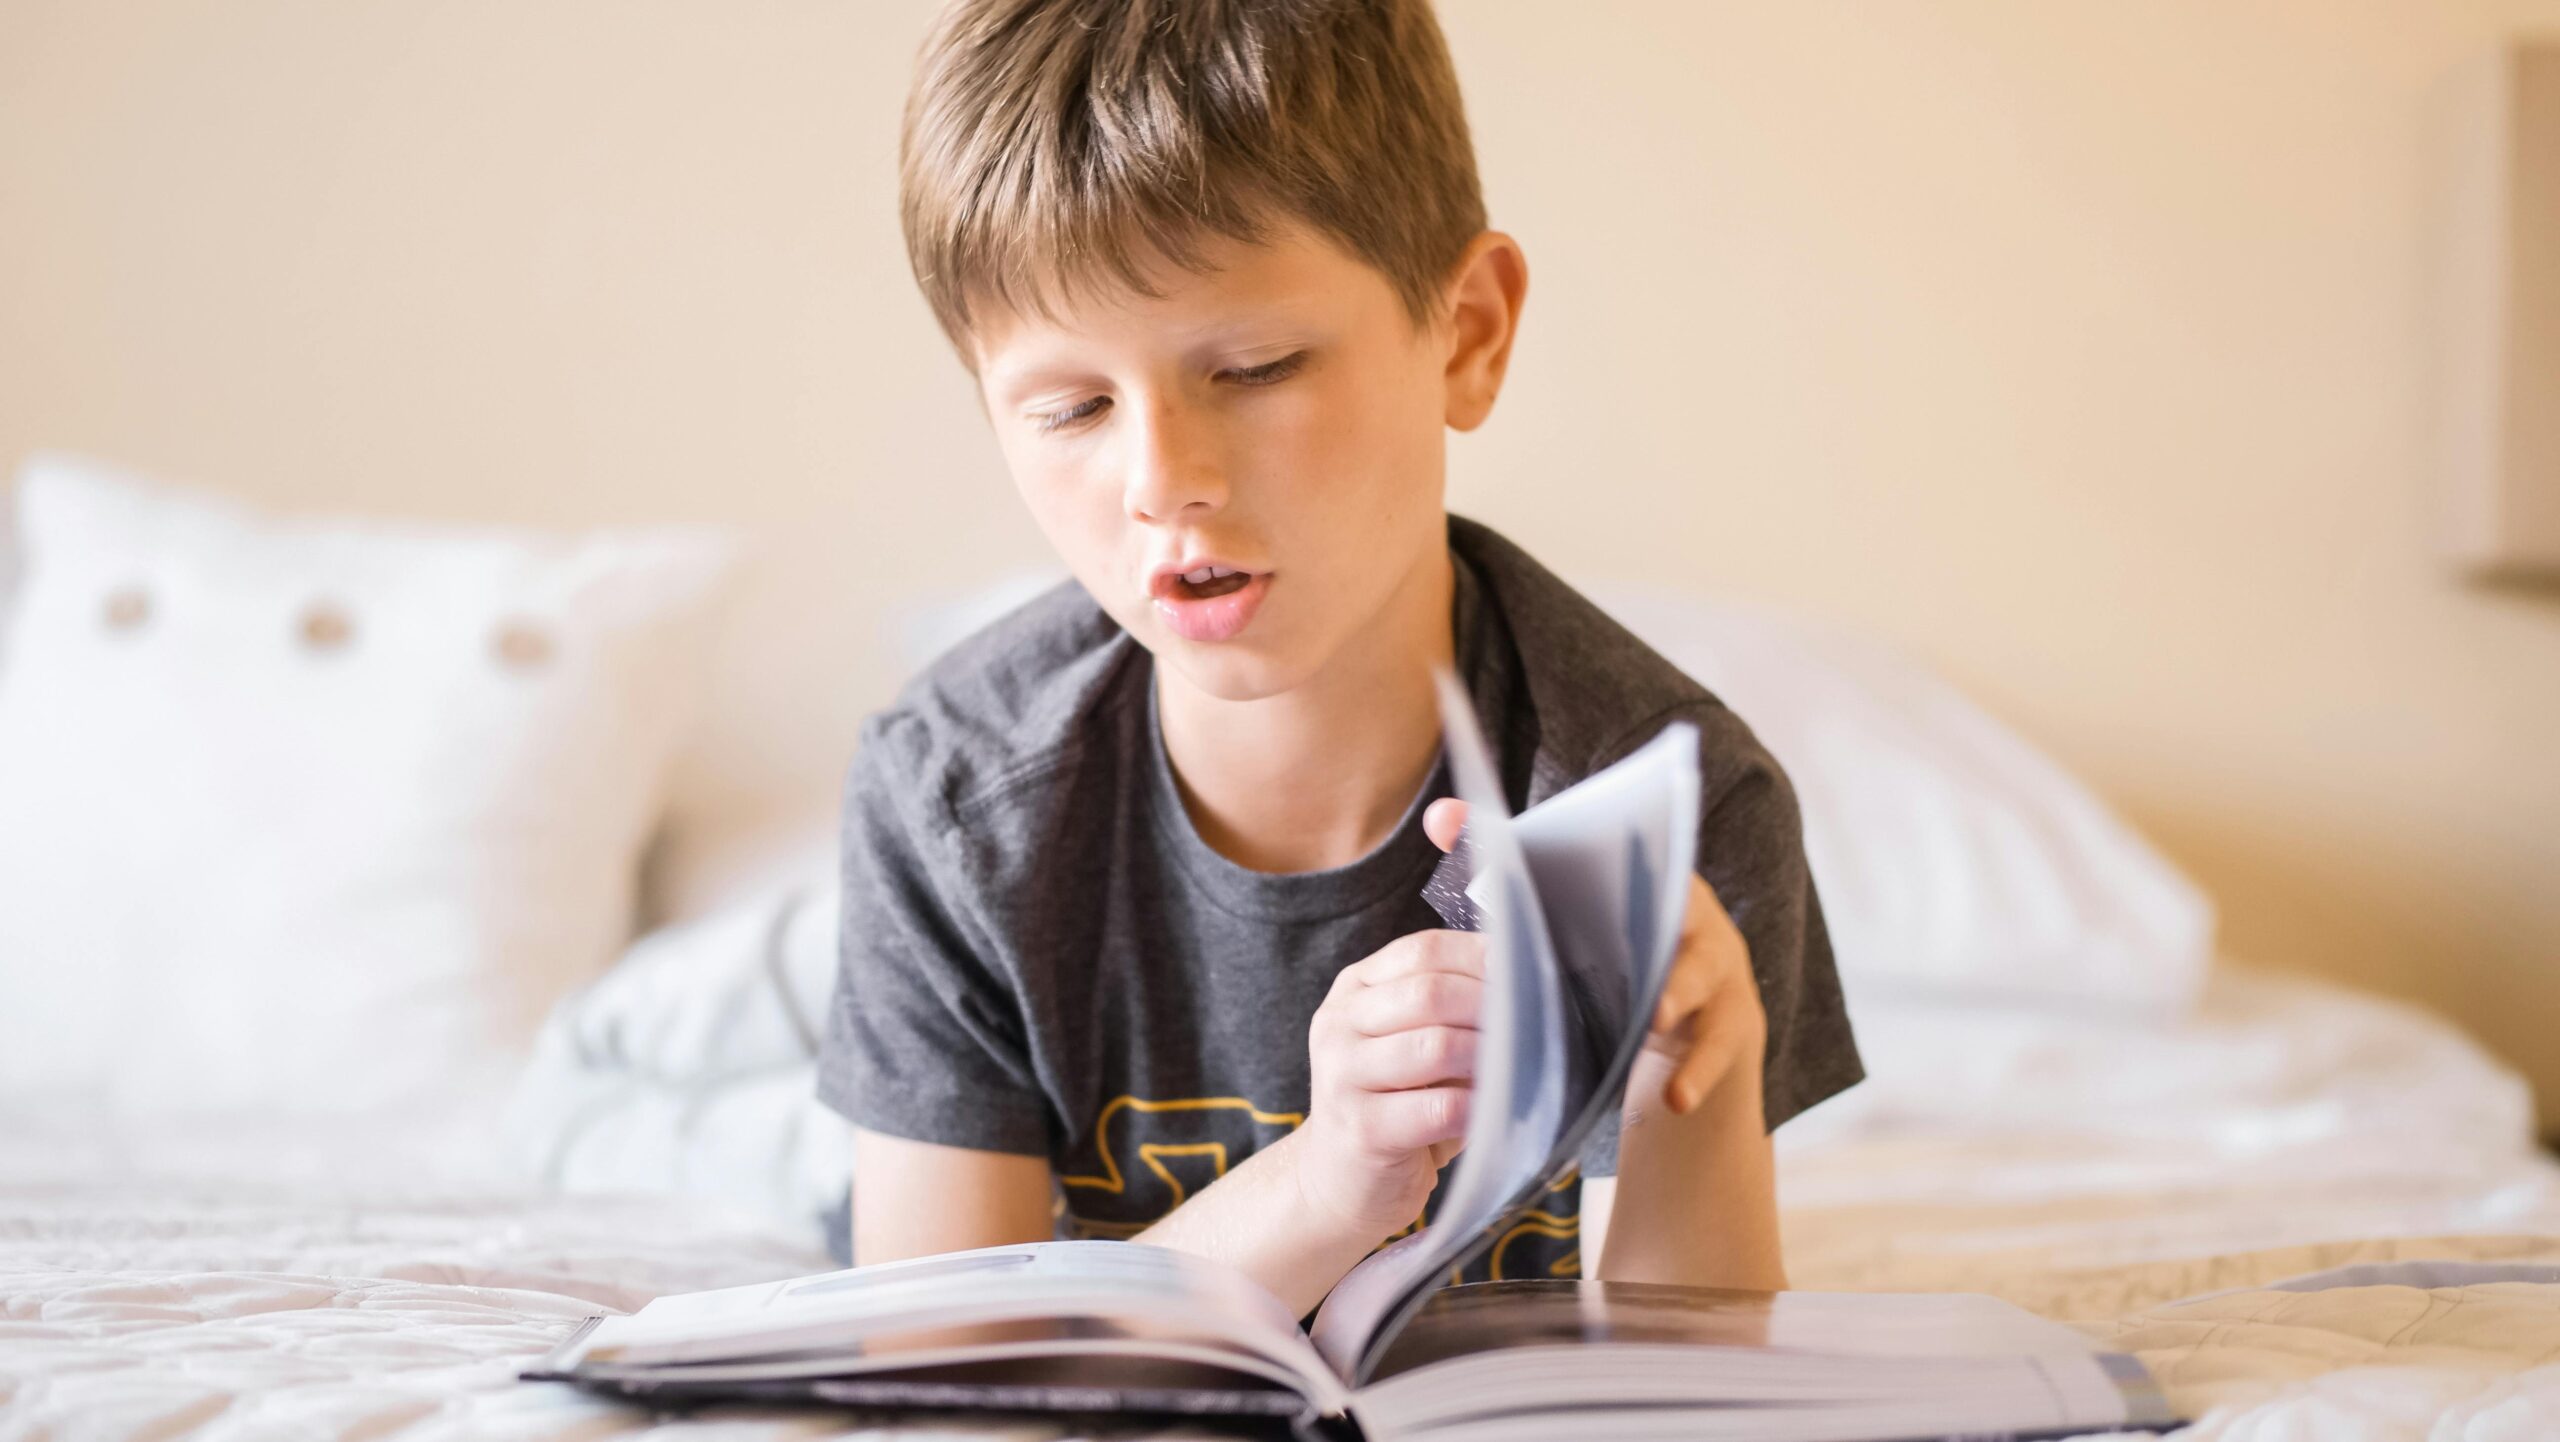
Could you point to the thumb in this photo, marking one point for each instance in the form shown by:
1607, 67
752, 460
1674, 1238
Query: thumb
1442, 820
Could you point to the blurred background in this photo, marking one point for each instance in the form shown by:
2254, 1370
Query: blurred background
2089, 352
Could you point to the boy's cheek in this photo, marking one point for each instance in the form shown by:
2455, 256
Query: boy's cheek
1084, 526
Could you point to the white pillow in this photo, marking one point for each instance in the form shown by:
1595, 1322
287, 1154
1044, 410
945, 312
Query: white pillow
319, 816
1951, 855
691, 1066
728, 844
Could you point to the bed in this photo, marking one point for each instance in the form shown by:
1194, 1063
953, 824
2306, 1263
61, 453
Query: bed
2312, 1213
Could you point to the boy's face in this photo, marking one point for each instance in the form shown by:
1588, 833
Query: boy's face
1278, 416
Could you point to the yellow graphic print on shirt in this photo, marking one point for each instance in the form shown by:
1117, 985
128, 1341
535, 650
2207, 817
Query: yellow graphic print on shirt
1155, 1154
1144, 1158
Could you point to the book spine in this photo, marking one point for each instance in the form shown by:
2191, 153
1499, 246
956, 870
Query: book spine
552, 1367
1316, 1426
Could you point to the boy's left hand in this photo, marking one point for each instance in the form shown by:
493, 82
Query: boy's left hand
1710, 1021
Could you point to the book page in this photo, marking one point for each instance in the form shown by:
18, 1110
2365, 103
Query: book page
1671, 1359
1608, 859
1611, 860
1518, 1090
1128, 1292
1859, 1330
1090, 1349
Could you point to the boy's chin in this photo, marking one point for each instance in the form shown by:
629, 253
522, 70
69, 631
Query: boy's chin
1227, 671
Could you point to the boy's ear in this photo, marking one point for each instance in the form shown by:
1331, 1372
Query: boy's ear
1486, 291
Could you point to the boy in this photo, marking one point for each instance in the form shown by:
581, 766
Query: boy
1133, 937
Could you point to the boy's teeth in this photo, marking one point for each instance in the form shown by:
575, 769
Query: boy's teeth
1200, 577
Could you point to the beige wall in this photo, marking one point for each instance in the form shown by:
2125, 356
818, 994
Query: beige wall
2083, 348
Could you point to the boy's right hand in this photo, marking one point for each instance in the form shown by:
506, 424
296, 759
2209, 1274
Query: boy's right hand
1391, 1060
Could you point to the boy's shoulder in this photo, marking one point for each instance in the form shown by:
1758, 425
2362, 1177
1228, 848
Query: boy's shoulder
1009, 702
1596, 689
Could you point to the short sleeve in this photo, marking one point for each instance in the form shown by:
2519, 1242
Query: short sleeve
1751, 853
924, 1037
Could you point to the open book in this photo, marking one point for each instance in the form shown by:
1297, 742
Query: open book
1580, 899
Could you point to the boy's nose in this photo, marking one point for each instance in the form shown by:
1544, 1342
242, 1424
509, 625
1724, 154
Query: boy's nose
1174, 469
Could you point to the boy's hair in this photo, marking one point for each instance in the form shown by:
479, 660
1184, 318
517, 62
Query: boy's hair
1051, 146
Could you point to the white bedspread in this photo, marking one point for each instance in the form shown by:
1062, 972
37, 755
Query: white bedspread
2155, 1186
2288, 1131
131, 1316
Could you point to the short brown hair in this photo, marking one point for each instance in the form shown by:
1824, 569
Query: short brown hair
1051, 145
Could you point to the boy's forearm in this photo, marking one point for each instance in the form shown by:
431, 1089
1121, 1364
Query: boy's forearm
1695, 1204
1696, 1198
1257, 1220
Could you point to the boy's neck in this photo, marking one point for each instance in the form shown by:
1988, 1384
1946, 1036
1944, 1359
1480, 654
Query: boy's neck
1319, 775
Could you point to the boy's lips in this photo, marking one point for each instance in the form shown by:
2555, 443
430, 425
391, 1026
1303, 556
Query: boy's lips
1216, 606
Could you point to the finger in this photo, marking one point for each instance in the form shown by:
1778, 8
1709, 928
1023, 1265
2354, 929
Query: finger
1720, 1045
1691, 985
1716, 983
1711, 947
1418, 953
1689, 1084
1431, 998
1411, 1121
1424, 1056
1442, 820
1706, 919
1704, 912
1441, 1152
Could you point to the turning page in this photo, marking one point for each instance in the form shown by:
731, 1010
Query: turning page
1581, 903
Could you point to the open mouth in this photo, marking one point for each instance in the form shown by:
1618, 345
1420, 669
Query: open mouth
1210, 582
1210, 601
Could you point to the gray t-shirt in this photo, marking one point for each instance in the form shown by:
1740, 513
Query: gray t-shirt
1042, 956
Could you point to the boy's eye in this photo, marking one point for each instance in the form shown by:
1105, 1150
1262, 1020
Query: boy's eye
1269, 372
1081, 411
